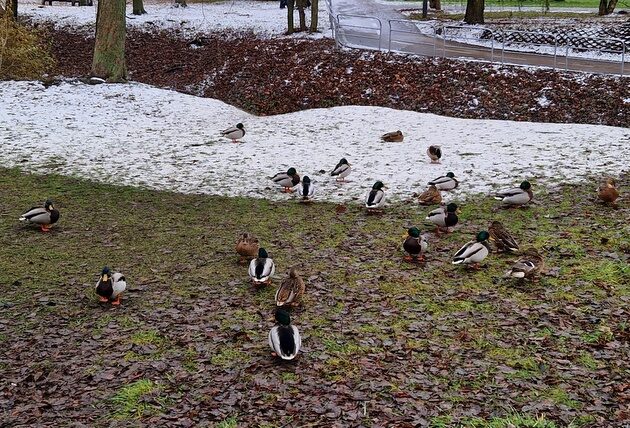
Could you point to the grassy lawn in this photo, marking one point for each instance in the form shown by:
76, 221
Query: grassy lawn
385, 343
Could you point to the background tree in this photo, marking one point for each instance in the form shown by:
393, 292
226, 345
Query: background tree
607, 7
181, 3
301, 4
138, 7
474, 12
109, 47
290, 7
435, 4
314, 15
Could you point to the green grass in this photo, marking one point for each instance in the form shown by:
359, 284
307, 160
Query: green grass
127, 404
190, 315
231, 422
515, 420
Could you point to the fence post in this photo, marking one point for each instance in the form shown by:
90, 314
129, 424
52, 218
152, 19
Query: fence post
623, 55
566, 56
555, 50
492, 47
502, 47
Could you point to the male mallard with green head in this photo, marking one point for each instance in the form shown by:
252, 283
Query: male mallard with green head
45, 216
284, 338
287, 180
306, 190
473, 252
376, 197
262, 268
234, 133
342, 170
415, 245
110, 286
444, 217
516, 196
445, 182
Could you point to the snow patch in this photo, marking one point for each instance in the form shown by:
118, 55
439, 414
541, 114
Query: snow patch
144, 136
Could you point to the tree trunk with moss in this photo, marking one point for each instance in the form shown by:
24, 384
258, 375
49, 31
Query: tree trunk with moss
10, 6
138, 7
314, 15
474, 12
109, 47
290, 8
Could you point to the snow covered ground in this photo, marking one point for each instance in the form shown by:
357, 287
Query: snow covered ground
265, 19
140, 135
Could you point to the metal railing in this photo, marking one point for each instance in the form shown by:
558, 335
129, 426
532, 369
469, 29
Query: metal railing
482, 43
353, 21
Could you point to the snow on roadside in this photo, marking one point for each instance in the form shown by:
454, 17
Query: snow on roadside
140, 135
265, 19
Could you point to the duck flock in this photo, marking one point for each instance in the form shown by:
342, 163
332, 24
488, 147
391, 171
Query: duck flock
284, 338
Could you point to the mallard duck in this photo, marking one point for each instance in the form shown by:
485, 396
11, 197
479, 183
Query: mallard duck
435, 153
444, 217
445, 182
262, 268
234, 133
607, 191
502, 238
415, 245
393, 137
473, 252
284, 338
431, 196
291, 290
517, 196
45, 216
529, 265
306, 189
376, 197
247, 246
111, 286
288, 179
342, 170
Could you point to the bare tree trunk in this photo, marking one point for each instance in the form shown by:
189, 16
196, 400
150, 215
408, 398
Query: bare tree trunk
290, 7
611, 7
435, 4
603, 5
474, 12
314, 15
301, 4
181, 3
138, 7
109, 47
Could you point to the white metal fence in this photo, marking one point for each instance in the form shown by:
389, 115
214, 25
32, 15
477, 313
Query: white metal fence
558, 51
